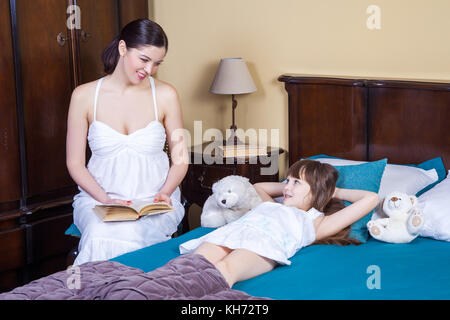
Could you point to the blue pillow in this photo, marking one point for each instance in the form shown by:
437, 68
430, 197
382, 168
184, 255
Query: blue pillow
320, 156
435, 163
366, 176
73, 231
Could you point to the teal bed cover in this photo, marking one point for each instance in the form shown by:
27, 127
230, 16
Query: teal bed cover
374, 270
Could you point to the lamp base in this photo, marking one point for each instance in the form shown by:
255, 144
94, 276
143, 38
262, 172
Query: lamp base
233, 139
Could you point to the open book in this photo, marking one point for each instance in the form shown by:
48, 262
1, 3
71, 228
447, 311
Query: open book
137, 208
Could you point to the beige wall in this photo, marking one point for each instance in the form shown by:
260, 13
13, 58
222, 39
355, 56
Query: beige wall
328, 37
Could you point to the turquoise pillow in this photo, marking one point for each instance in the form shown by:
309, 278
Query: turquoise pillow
435, 163
366, 176
73, 231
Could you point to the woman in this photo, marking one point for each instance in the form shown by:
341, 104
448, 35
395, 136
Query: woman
126, 117
271, 233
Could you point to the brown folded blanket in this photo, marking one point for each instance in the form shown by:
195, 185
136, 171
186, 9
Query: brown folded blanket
186, 277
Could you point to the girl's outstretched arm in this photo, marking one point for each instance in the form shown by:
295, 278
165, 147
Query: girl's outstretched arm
269, 190
362, 203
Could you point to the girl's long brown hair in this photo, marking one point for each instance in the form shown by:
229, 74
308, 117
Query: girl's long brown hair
322, 179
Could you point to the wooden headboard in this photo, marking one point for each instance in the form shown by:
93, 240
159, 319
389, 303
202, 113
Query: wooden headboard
368, 119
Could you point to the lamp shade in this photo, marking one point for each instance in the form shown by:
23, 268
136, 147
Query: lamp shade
232, 77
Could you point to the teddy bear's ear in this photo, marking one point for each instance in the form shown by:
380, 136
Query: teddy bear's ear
243, 179
413, 200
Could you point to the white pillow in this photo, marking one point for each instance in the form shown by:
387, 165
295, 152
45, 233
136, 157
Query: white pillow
406, 179
435, 204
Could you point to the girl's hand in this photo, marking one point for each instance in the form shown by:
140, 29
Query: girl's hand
118, 201
161, 196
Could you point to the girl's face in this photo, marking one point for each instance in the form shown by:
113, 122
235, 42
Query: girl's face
297, 193
140, 63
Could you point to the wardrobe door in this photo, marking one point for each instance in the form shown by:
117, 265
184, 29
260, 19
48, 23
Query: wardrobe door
12, 235
10, 190
131, 10
46, 91
99, 27
101, 21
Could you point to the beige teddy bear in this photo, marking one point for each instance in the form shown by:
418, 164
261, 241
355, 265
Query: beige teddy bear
403, 219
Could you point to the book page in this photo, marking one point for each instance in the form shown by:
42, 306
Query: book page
139, 205
135, 205
109, 213
157, 207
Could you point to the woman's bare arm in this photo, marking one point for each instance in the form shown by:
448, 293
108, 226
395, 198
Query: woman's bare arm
362, 203
77, 128
269, 190
173, 123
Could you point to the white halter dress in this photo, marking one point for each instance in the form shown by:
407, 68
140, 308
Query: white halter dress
127, 167
271, 230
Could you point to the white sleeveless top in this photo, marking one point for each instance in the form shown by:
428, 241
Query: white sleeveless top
127, 167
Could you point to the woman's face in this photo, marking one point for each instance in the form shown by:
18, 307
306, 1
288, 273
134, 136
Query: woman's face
140, 63
297, 193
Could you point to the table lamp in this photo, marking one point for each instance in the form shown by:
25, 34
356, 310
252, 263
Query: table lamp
232, 77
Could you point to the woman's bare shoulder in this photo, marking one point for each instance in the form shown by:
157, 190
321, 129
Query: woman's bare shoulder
165, 90
85, 90
83, 96
167, 98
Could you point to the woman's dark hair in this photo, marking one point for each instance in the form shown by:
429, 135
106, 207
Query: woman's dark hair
322, 178
137, 33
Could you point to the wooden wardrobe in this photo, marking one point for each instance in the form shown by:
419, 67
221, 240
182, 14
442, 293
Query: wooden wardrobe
48, 48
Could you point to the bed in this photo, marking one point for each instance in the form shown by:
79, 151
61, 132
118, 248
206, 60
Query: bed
335, 272
405, 122
358, 119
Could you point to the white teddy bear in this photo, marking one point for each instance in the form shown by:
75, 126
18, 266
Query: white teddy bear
232, 197
403, 219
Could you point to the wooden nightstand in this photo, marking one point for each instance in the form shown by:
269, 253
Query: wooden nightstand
205, 169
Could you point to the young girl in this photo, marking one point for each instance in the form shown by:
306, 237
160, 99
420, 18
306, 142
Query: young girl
273, 232
126, 116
